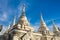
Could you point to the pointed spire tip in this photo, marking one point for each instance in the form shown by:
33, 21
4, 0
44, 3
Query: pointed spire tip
40, 13
14, 20
23, 8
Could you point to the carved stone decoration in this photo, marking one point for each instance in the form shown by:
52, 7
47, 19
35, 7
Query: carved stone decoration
15, 37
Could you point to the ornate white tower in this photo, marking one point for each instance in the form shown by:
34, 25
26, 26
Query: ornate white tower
23, 22
21, 27
43, 28
23, 18
55, 29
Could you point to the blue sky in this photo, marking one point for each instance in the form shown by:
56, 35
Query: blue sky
49, 8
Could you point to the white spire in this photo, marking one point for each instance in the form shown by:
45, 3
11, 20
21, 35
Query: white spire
43, 24
43, 28
42, 21
23, 21
54, 27
14, 20
23, 18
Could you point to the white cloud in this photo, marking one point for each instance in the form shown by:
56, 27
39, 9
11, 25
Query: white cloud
3, 17
36, 26
58, 25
